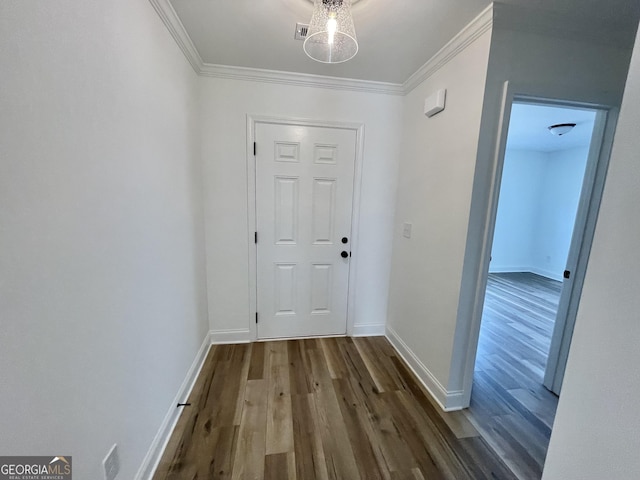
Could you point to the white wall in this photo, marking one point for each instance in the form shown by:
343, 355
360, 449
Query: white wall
595, 434
225, 105
539, 196
102, 280
434, 193
544, 66
559, 197
515, 230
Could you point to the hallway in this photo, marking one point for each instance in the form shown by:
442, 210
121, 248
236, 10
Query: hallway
324, 408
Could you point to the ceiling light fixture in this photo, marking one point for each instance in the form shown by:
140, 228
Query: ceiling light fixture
331, 37
561, 128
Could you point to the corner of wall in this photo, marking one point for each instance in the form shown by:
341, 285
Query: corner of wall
447, 400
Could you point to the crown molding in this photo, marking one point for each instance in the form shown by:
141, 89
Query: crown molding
299, 79
465, 37
457, 44
171, 20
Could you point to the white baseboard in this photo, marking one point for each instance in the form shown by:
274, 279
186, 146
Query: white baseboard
448, 401
368, 330
221, 337
508, 269
529, 269
159, 443
546, 273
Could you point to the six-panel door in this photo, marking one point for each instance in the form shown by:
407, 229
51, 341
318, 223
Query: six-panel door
304, 194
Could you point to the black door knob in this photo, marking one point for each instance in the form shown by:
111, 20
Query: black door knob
345, 239
344, 254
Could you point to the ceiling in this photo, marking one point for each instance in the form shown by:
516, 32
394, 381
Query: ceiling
395, 37
528, 127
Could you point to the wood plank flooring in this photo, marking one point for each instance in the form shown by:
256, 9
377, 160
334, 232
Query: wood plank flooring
330, 408
342, 408
509, 405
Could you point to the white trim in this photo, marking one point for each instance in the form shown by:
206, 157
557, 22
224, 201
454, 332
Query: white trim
546, 273
465, 37
581, 241
252, 227
171, 20
159, 443
299, 79
457, 44
358, 128
448, 401
177, 30
223, 337
368, 330
518, 269
355, 226
509, 269
485, 199
310, 337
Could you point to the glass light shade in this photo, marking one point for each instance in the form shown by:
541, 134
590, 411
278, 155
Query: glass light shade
561, 128
331, 37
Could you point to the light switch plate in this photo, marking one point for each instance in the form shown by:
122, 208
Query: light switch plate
406, 230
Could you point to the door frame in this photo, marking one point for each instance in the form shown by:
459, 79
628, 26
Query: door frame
475, 279
358, 128
580, 248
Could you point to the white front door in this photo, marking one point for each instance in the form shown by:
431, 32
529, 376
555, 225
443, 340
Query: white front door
304, 194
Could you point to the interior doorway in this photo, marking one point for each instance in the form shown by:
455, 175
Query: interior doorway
547, 201
543, 175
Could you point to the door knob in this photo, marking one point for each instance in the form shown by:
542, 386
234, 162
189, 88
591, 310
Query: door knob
344, 254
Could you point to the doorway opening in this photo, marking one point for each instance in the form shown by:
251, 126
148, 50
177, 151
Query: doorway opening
546, 203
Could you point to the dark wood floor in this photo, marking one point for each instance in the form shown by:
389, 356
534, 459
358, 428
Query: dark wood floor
509, 405
331, 408
342, 408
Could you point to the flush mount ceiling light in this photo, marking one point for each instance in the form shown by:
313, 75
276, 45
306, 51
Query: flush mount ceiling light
561, 128
331, 37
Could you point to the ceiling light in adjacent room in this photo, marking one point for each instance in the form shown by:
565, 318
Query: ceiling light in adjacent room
331, 37
561, 128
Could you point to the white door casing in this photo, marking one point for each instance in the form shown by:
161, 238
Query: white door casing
582, 238
484, 208
304, 188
